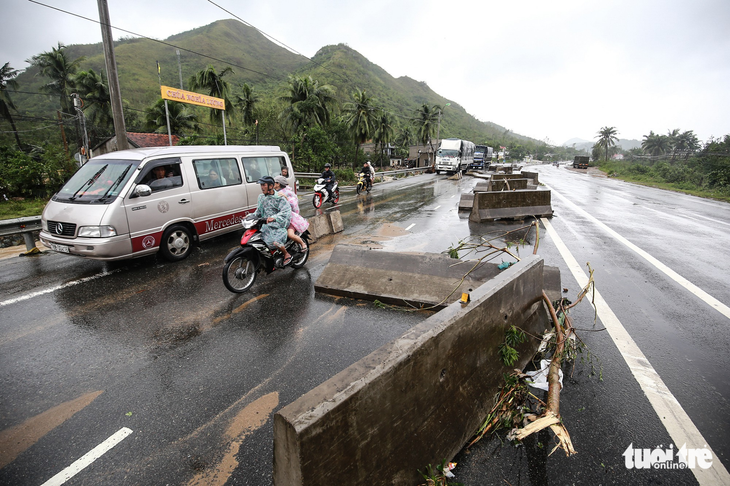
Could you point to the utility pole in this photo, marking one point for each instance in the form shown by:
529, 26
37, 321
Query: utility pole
111, 67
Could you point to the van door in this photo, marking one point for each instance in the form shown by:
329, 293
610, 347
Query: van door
170, 201
221, 201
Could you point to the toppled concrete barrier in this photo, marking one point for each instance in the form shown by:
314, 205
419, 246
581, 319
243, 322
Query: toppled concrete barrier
417, 279
490, 206
416, 400
325, 224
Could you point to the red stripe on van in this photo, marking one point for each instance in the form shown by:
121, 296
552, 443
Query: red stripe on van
146, 242
215, 224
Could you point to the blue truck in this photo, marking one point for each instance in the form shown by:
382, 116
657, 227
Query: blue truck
482, 157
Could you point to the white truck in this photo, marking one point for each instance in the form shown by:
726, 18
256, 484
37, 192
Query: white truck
454, 155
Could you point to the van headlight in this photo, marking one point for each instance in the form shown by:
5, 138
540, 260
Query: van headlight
97, 231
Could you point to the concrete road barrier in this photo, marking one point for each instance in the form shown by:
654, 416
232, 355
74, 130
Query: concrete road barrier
415, 401
325, 224
489, 206
417, 279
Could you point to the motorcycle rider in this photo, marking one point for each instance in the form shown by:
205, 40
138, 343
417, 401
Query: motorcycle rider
369, 172
298, 223
329, 179
275, 208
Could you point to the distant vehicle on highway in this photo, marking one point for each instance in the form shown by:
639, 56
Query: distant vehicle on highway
482, 157
133, 203
454, 155
581, 162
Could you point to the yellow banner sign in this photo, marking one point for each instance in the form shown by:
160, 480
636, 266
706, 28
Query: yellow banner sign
183, 96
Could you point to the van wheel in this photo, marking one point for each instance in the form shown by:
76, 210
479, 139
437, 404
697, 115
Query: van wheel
176, 244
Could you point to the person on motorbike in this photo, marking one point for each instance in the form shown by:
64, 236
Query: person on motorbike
369, 172
329, 179
277, 211
298, 223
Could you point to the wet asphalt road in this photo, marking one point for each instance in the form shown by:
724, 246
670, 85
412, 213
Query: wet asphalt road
88, 348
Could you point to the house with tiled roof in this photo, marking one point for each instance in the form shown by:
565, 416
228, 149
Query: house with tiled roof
136, 140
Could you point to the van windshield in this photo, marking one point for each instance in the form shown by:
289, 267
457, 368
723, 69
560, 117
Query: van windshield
97, 182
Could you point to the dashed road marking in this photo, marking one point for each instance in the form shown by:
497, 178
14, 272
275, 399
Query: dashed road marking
704, 296
411, 226
53, 289
678, 424
88, 458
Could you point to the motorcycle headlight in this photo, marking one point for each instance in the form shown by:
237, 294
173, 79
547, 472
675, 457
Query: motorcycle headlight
97, 231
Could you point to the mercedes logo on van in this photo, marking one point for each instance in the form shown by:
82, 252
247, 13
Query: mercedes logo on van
59, 229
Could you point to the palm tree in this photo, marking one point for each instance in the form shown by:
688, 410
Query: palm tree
308, 103
7, 80
425, 121
383, 132
94, 91
55, 65
181, 119
686, 142
655, 144
360, 117
246, 102
213, 84
607, 138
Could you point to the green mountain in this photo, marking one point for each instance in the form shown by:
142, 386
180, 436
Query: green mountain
260, 63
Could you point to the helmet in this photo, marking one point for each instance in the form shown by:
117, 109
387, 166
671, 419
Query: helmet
266, 180
327, 165
281, 180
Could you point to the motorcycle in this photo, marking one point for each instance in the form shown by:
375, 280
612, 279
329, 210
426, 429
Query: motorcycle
244, 263
363, 183
321, 196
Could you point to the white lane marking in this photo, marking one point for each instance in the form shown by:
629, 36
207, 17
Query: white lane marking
670, 412
707, 298
693, 215
88, 458
411, 226
53, 289
434, 209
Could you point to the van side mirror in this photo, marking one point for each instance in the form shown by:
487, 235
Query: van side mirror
142, 190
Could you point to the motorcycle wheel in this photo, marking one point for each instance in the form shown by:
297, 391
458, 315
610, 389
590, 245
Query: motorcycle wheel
317, 200
336, 197
359, 188
239, 274
300, 259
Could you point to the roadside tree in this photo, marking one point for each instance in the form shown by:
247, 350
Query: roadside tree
7, 80
607, 138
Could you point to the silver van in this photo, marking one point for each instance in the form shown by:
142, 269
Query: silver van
133, 203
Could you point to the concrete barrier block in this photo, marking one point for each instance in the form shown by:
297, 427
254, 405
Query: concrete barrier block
335, 219
414, 401
418, 279
319, 225
489, 206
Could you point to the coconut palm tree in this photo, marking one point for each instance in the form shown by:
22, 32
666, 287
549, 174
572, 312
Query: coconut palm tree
360, 117
425, 122
54, 64
607, 138
246, 103
686, 142
94, 91
7, 80
213, 84
182, 120
655, 144
383, 132
308, 103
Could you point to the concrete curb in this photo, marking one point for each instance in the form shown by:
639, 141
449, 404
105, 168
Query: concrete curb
414, 401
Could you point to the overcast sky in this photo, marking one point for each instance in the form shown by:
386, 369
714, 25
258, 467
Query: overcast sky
551, 70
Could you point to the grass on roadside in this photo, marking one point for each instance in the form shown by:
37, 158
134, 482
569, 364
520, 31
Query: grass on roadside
19, 209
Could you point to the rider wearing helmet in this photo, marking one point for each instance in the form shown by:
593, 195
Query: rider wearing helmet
329, 179
276, 210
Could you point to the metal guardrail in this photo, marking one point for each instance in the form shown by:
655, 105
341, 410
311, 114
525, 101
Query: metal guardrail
381, 175
26, 226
